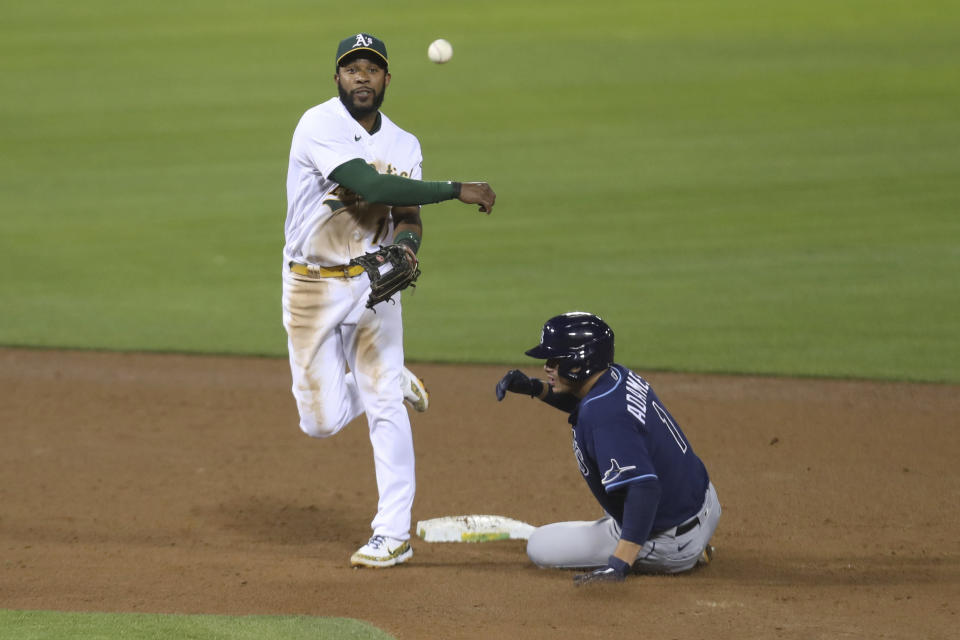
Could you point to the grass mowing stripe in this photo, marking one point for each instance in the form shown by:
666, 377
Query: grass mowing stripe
40, 625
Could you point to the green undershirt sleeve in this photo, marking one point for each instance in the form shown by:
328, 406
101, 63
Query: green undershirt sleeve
382, 188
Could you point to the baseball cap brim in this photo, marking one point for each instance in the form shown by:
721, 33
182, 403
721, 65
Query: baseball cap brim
375, 53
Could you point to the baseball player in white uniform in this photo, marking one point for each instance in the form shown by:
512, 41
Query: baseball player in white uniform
353, 183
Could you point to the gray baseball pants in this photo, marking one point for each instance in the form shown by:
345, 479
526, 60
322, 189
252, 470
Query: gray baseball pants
587, 545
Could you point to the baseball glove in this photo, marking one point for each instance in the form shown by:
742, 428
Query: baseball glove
390, 271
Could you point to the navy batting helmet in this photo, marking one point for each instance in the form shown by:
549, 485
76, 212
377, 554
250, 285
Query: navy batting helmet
582, 342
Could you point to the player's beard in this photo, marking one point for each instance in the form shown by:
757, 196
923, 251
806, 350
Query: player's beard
357, 111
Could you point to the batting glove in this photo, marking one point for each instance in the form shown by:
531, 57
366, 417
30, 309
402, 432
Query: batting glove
615, 571
516, 381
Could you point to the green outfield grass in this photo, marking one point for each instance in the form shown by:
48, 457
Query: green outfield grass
41, 625
735, 186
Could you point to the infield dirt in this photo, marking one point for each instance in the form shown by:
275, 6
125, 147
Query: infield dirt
182, 484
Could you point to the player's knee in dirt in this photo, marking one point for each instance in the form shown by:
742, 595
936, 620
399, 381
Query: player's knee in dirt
538, 550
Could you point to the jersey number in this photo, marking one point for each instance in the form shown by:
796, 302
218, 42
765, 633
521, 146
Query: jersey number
671, 427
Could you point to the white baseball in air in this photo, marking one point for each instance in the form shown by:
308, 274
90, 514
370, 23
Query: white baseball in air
440, 51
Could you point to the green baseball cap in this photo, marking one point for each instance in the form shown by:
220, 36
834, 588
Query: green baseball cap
362, 42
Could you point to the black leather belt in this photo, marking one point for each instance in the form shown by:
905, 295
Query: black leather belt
687, 526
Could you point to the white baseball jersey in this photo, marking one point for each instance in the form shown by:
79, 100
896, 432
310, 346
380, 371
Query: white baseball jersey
325, 138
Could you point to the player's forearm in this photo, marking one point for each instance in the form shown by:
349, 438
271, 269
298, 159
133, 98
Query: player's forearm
382, 188
566, 402
408, 228
543, 391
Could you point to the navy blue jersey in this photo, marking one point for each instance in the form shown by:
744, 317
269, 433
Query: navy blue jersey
623, 434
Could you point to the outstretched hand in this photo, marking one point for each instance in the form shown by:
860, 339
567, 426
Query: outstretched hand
478, 193
516, 381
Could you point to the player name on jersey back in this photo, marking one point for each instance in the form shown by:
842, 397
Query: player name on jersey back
637, 389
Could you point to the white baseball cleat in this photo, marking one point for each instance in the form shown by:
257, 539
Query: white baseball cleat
382, 551
414, 393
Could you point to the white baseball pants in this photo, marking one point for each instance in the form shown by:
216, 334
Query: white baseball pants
330, 329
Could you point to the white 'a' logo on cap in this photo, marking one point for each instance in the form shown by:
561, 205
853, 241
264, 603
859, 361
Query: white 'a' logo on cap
362, 42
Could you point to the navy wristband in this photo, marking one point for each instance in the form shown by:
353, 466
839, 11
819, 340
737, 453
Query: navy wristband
536, 387
620, 567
